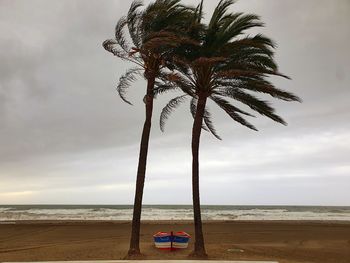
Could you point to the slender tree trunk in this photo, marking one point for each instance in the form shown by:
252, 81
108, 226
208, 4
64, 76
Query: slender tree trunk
199, 249
134, 249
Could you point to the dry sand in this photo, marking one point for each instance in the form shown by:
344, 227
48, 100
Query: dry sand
290, 241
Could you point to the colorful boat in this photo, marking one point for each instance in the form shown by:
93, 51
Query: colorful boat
171, 241
180, 240
162, 240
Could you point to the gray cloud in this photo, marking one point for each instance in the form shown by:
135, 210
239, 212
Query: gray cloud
66, 137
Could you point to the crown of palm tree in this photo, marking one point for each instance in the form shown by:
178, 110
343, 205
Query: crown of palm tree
147, 37
227, 64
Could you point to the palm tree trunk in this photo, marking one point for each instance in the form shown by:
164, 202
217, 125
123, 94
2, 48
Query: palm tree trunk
199, 249
134, 249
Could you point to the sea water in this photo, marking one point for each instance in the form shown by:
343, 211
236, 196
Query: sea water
172, 212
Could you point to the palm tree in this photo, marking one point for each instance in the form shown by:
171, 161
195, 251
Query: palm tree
228, 65
154, 32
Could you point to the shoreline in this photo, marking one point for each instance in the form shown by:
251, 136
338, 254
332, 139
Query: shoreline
282, 241
176, 222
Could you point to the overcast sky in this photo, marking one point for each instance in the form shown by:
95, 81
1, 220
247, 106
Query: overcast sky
67, 138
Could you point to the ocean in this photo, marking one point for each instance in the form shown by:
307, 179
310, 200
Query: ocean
172, 212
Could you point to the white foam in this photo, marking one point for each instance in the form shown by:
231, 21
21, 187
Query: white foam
167, 214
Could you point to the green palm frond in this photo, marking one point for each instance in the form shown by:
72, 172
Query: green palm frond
229, 106
229, 63
199, 12
237, 27
249, 71
258, 41
156, 32
219, 12
252, 102
167, 15
241, 51
233, 112
168, 109
266, 87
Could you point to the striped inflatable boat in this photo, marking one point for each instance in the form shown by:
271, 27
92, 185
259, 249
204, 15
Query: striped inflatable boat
171, 241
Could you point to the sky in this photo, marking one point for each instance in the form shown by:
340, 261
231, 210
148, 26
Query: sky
67, 138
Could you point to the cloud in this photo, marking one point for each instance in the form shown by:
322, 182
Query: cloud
66, 137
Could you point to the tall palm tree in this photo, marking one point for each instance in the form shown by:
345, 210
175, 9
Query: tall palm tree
154, 33
229, 64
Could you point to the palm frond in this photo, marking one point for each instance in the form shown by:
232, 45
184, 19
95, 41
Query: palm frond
238, 26
232, 111
208, 122
125, 83
219, 12
119, 34
164, 40
237, 73
232, 108
112, 46
168, 15
259, 40
252, 102
180, 81
193, 110
208, 61
241, 49
161, 88
134, 20
199, 12
167, 110
250, 72
267, 88
228, 63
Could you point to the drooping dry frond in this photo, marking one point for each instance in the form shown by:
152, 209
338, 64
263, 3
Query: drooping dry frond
134, 20
163, 41
178, 80
112, 46
208, 122
120, 38
167, 110
193, 110
161, 88
125, 82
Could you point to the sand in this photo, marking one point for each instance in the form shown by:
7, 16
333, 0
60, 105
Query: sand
283, 241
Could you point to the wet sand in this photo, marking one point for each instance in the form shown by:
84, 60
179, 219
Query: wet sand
283, 241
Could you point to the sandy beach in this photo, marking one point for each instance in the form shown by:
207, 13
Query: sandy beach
285, 241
